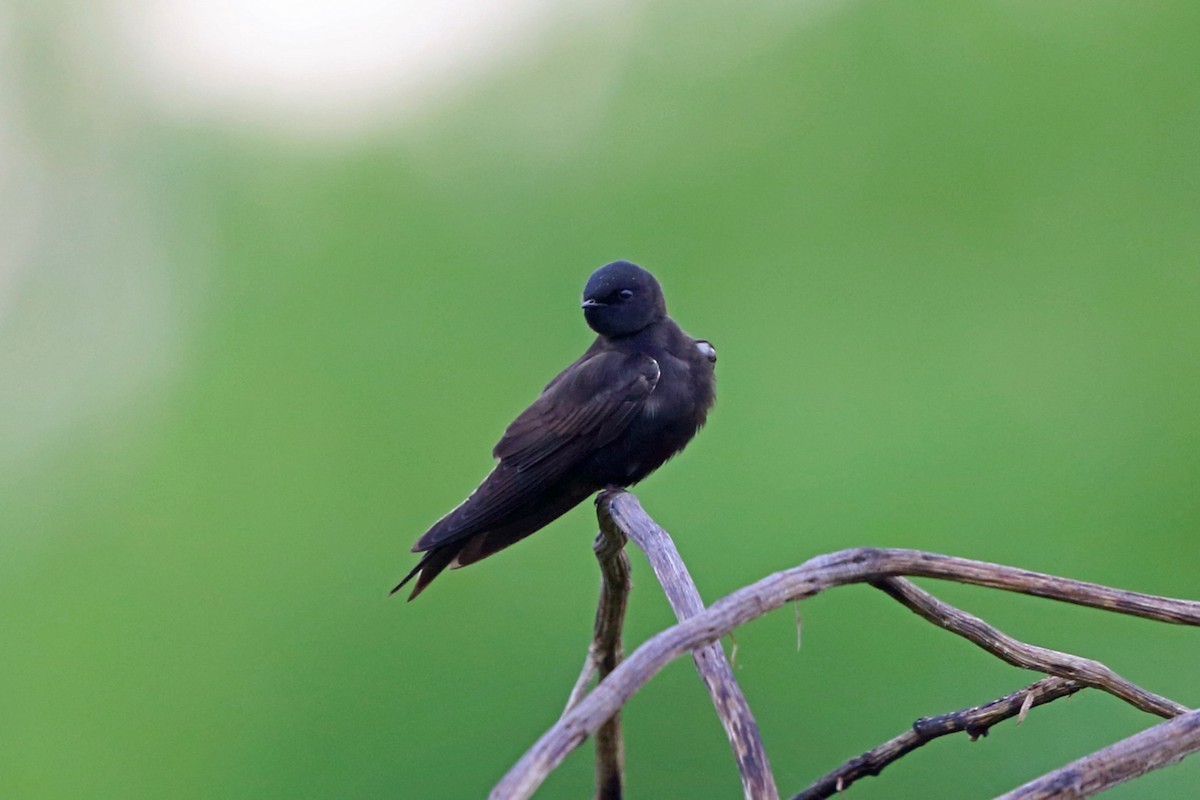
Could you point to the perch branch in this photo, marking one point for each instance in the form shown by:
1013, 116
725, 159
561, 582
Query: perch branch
621, 515
615, 584
803, 581
1027, 656
605, 654
1159, 746
974, 721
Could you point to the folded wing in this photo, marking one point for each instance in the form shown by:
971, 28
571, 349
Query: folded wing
587, 406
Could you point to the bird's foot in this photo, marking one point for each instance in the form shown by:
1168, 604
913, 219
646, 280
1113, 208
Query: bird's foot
608, 491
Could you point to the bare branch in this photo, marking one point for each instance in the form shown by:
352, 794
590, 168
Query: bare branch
579, 690
772, 592
975, 722
606, 653
1027, 656
620, 511
1037, 584
1160, 746
1072, 673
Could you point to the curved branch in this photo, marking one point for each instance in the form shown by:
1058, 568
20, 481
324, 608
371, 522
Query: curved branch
772, 592
1160, 746
1027, 656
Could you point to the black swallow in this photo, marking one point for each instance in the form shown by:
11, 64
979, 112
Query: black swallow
633, 400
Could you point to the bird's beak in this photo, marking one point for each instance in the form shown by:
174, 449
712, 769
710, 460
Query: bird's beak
590, 303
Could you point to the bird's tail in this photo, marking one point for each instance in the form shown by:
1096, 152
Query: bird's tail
429, 567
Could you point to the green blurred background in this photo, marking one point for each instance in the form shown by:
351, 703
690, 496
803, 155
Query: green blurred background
260, 327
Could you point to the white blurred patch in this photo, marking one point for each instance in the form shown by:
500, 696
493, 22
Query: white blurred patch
327, 66
87, 316
85, 311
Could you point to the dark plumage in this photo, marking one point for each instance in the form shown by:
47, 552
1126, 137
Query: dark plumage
633, 400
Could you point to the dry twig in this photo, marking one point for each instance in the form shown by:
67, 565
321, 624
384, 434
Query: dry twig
1027, 656
975, 722
620, 513
605, 654
810, 578
1154, 748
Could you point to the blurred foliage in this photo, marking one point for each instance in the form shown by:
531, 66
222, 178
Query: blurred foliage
948, 255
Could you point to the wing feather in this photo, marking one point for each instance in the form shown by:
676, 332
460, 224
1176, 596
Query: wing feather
584, 408
587, 406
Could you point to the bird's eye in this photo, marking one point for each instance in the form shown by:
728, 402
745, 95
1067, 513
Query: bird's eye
625, 294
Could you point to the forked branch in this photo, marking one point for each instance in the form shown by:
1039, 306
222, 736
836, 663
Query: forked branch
619, 517
1027, 656
811, 578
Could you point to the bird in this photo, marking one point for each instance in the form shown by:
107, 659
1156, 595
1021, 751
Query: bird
634, 399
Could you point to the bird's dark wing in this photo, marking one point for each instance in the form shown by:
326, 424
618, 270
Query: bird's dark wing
588, 405
583, 408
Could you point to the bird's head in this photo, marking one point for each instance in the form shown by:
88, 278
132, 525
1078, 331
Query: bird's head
621, 299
